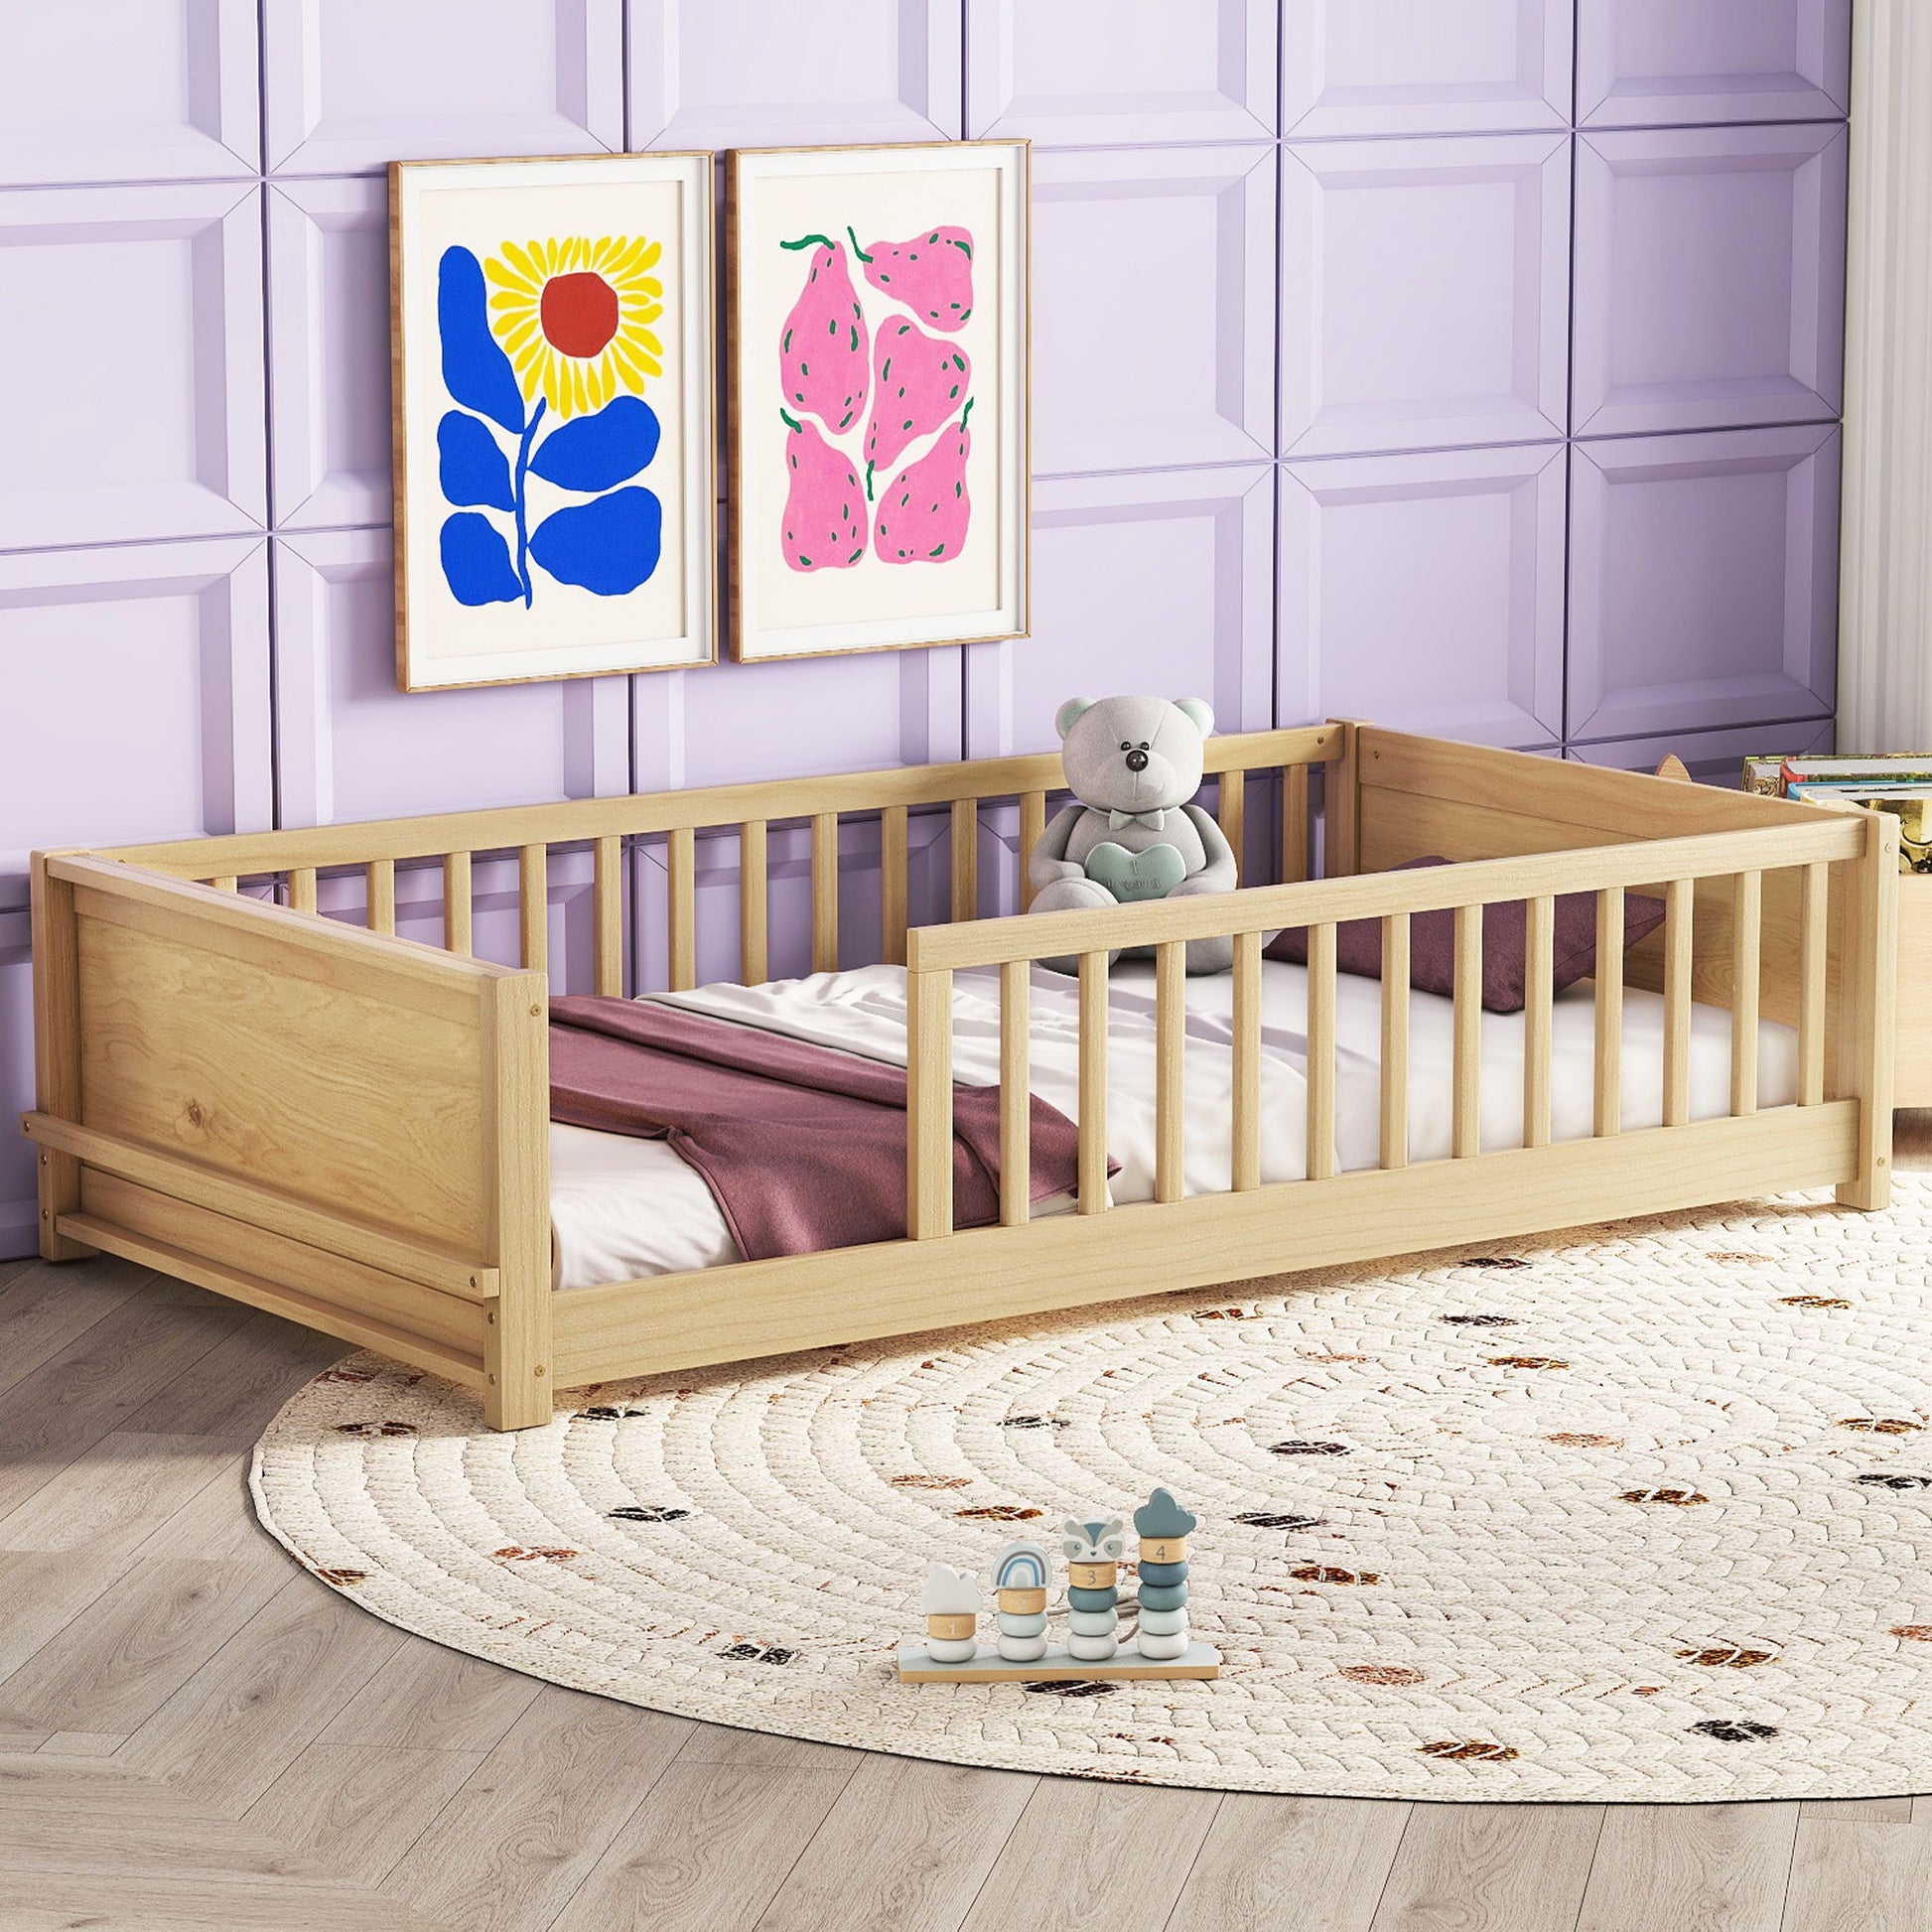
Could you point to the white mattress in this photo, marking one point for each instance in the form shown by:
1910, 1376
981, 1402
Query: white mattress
621, 1208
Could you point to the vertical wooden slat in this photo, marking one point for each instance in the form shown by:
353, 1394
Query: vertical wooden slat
1813, 934
1232, 812
753, 949
929, 1105
1245, 1139
1341, 831
53, 924
517, 1330
457, 931
825, 891
1746, 941
1395, 1041
892, 867
965, 859
682, 906
1093, 1082
1608, 1115
1033, 826
1679, 906
1295, 824
226, 882
1539, 992
379, 880
1862, 1045
1466, 1132
1170, 1070
1322, 1052
302, 888
1015, 1119
533, 901
606, 909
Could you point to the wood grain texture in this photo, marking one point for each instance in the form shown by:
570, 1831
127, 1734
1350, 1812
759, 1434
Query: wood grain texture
929, 1105
1318, 1864
681, 907
1860, 1877
607, 911
1169, 1071
1243, 1140
1016, 1113
1393, 1064
1607, 1104
1093, 1084
754, 941
1503, 1867
825, 893
1689, 1869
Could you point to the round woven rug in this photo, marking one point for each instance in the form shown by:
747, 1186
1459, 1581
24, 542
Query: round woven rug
1645, 1516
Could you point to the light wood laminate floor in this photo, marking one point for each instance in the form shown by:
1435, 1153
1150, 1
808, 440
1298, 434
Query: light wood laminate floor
193, 1734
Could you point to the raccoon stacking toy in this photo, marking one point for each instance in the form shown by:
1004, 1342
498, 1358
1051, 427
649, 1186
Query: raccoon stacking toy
1164, 1528
1021, 1570
1093, 1551
951, 1602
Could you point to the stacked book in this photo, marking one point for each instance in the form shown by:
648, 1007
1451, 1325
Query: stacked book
1899, 783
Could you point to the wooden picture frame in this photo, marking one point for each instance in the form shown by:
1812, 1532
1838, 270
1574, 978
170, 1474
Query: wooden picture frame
552, 322
855, 527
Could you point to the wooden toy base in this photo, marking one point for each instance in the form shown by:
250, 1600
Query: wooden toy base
916, 1666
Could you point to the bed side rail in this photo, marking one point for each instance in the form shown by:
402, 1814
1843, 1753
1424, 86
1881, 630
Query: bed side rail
343, 1125
1844, 1026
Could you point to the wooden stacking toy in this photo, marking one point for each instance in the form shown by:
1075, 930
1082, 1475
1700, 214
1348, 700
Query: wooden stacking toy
1164, 1528
1093, 1551
951, 1602
1021, 1575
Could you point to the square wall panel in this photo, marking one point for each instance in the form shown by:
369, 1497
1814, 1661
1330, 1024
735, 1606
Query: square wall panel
1703, 581
133, 319
718, 74
1709, 278
129, 91
350, 746
1084, 72
1451, 67
1426, 593
1712, 757
1425, 293
1154, 308
1674, 62
329, 363
137, 699
1157, 583
350, 86
732, 724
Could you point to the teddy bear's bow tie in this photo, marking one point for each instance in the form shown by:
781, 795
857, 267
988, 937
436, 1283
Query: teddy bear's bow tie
1155, 821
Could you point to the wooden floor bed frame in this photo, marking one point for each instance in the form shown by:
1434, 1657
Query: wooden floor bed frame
350, 1128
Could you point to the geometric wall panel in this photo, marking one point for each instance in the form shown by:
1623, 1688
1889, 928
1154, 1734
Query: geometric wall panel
1479, 67
1426, 593
1712, 757
1159, 582
1709, 278
1129, 71
1703, 579
350, 85
1425, 293
128, 90
350, 746
713, 73
132, 322
1154, 308
329, 352
1666, 62
143, 670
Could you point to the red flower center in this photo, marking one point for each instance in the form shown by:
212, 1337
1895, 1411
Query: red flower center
579, 313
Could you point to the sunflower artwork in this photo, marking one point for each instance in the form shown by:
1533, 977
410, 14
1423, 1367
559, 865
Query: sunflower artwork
547, 349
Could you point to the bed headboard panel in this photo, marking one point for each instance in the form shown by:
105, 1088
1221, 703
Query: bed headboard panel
1422, 795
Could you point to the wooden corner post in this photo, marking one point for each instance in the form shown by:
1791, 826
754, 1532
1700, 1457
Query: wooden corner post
929, 1102
1341, 805
1867, 1001
517, 1353
57, 1052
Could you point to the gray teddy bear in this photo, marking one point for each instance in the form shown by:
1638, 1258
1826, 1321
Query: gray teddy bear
1134, 764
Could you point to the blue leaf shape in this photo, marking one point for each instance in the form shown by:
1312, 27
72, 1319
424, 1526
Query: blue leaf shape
472, 466
476, 561
475, 372
595, 451
608, 546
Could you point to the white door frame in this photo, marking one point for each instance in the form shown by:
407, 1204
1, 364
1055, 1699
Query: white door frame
1885, 604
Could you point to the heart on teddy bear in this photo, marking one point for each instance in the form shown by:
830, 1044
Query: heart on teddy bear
1132, 876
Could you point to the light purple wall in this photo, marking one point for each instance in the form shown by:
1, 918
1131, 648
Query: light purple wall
1468, 364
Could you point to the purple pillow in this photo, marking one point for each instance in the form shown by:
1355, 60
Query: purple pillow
1506, 933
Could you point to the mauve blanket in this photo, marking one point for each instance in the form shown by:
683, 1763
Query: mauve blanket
802, 1146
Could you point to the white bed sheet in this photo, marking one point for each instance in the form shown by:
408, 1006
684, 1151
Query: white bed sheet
623, 1208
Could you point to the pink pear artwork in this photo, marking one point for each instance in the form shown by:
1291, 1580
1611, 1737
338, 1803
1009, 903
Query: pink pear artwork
932, 274
825, 514
916, 383
924, 511
823, 353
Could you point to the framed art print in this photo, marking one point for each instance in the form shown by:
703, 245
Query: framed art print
555, 448
878, 443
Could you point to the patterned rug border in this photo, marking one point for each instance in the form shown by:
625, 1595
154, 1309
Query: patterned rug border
1463, 1784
